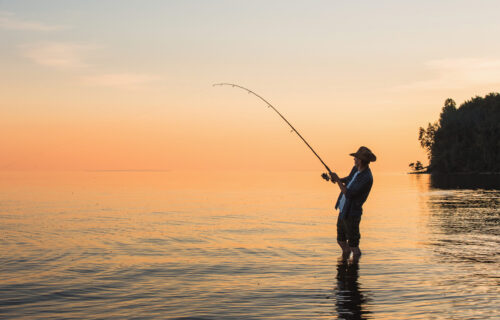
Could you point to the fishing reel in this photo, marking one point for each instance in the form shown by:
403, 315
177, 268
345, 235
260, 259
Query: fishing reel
327, 177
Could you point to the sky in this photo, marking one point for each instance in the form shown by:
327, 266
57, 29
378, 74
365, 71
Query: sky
127, 85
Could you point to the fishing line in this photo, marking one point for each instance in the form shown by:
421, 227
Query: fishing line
282, 117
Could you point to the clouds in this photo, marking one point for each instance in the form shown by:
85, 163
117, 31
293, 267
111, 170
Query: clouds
53, 54
118, 79
72, 57
57, 54
456, 73
10, 21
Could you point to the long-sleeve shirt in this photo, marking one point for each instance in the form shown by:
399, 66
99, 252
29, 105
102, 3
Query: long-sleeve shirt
356, 193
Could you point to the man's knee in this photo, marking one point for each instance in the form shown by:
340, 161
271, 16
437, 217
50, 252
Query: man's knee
353, 242
356, 252
343, 244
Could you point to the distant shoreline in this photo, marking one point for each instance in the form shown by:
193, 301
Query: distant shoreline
127, 170
456, 173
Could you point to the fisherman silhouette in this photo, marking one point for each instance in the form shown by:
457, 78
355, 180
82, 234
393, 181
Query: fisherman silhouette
354, 189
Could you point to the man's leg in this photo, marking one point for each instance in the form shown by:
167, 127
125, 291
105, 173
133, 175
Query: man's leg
346, 251
342, 238
353, 236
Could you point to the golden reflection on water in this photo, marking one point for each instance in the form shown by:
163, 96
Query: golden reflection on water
237, 244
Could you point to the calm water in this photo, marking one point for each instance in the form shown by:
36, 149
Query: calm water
180, 245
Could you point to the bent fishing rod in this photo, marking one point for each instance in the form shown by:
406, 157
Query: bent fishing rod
282, 117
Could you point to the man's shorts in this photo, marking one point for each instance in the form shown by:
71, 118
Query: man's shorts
348, 230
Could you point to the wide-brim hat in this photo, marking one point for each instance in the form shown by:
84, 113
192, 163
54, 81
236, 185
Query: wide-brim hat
364, 153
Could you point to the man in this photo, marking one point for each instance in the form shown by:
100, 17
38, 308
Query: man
354, 190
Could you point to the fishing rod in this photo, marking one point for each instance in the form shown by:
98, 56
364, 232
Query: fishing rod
282, 117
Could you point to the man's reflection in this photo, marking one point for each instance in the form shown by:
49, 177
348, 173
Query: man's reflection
350, 302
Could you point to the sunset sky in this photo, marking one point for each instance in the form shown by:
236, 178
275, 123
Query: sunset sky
127, 85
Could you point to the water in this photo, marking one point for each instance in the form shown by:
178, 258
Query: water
181, 245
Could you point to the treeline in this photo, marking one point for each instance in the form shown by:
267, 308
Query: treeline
465, 139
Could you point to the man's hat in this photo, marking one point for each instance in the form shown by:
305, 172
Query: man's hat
364, 153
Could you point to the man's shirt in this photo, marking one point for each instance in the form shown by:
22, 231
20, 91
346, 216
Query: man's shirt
342, 197
358, 188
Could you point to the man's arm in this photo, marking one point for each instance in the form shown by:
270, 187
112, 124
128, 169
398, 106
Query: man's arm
340, 183
362, 182
328, 176
344, 179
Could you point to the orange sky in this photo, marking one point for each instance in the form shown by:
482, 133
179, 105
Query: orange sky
131, 90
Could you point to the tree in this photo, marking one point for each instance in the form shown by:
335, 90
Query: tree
464, 139
447, 111
427, 137
416, 166
412, 165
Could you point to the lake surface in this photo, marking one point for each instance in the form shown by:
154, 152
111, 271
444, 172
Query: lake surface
187, 245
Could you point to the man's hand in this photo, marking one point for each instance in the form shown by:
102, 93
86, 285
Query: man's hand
334, 177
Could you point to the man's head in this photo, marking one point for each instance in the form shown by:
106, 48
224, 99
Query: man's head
363, 157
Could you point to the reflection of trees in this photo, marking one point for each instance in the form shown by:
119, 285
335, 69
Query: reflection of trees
466, 211
466, 224
466, 181
420, 181
351, 302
